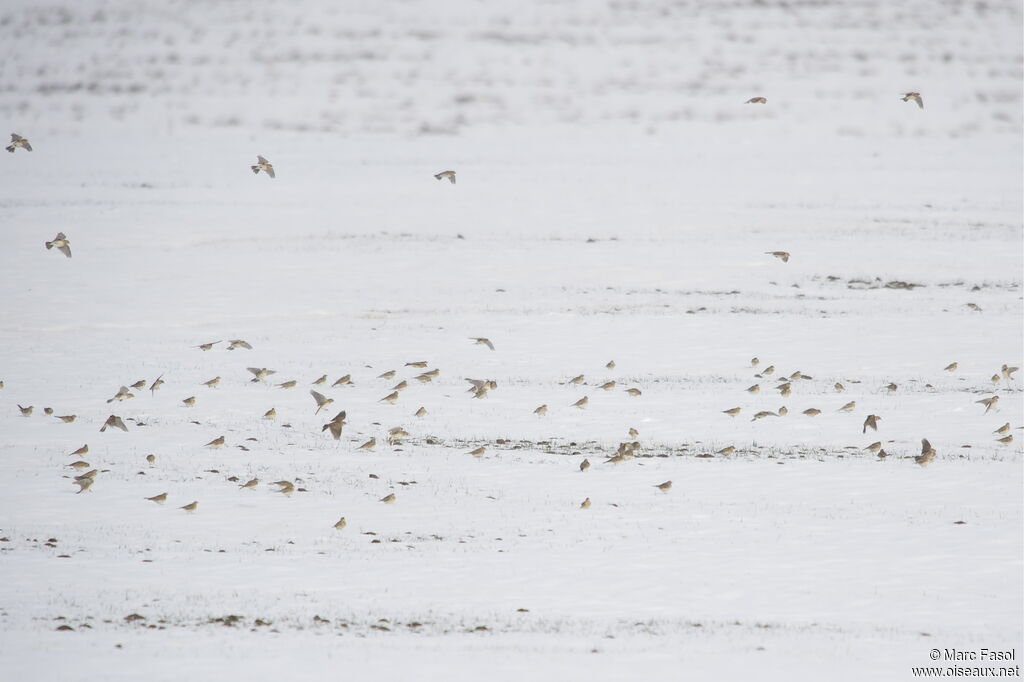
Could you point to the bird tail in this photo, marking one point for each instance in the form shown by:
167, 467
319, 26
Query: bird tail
11, 150
49, 245
255, 169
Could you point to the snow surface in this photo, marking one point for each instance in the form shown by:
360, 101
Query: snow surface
615, 198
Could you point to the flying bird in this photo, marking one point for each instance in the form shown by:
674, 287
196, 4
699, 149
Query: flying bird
927, 453
916, 96
335, 425
756, 100
448, 175
19, 141
871, 422
260, 373
62, 243
481, 341
115, 422
322, 401
238, 343
989, 403
263, 165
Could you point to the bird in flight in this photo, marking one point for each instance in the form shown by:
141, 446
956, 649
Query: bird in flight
62, 243
916, 96
19, 141
263, 165
448, 175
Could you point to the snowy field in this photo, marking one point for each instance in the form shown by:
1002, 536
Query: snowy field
615, 200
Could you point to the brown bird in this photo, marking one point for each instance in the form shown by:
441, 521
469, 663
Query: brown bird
927, 453
340, 524
762, 414
238, 343
368, 445
1006, 440
189, 401
421, 412
157, 383
874, 447
80, 464
770, 369
756, 100
347, 379
916, 96
322, 401
424, 378
419, 364
122, 394
481, 341
585, 504
26, 411
541, 411
388, 499
335, 425
478, 452
781, 255
250, 484
812, 412
839, 387
271, 413
400, 386
576, 379
284, 487
783, 411
995, 379
871, 422
263, 165
448, 175
206, 346
610, 365
756, 388
138, 385
585, 464
848, 407
634, 392
951, 367
974, 306
607, 386
48, 410
62, 243
115, 422
389, 398
754, 361
989, 403
88, 474
1002, 430
18, 141
215, 443
260, 373
728, 450
732, 412
633, 433
390, 374
66, 418
321, 381
581, 403
288, 384
1008, 372
150, 458
785, 389
85, 449
191, 506
159, 499
664, 487
212, 383
83, 484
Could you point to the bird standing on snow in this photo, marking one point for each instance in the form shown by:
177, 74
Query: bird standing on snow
263, 165
756, 100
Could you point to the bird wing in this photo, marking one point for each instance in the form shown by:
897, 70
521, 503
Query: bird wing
920, 102
66, 250
320, 398
925, 446
270, 171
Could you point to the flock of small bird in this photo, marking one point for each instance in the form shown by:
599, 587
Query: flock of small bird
479, 388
